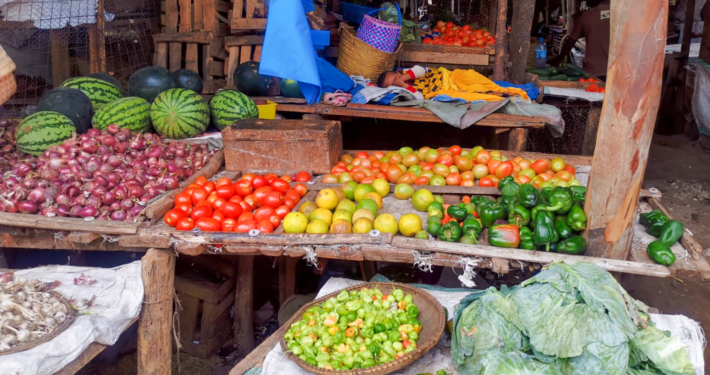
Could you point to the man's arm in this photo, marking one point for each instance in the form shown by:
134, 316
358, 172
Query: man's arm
566, 49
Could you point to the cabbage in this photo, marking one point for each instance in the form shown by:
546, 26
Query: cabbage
567, 320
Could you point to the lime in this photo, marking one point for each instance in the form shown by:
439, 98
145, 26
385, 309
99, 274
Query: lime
421, 199
347, 205
361, 190
349, 187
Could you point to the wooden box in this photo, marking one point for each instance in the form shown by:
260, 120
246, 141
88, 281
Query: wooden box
282, 146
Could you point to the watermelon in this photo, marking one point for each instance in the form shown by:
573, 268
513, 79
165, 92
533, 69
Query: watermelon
131, 112
99, 91
43, 129
148, 82
228, 106
290, 88
179, 114
187, 79
249, 81
72, 103
107, 78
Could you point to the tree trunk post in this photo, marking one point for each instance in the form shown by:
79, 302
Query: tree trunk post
519, 46
636, 54
156, 318
244, 305
499, 70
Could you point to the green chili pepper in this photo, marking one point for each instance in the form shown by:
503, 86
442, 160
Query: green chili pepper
398, 294
656, 227
338, 338
491, 212
544, 233
574, 245
577, 219
412, 311
367, 332
672, 231
528, 195
563, 230
579, 193
458, 212
560, 201
660, 253
433, 225
526, 239
450, 232
507, 235
519, 216
343, 296
649, 217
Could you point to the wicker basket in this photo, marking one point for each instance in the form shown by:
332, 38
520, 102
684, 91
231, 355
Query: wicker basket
7, 79
357, 58
431, 315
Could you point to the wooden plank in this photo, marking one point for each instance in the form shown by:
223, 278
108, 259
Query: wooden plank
257, 53
209, 11
238, 9
216, 68
22, 238
217, 49
146, 242
590, 131
252, 24
171, 26
519, 44
439, 58
201, 37
188, 315
249, 8
244, 40
244, 305
59, 56
97, 41
501, 42
82, 237
223, 6
161, 58
154, 338
198, 16
191, 61
67, 224
204, 290
612, 265
626, 127
185, 22
518, 139
245, 54
232, 64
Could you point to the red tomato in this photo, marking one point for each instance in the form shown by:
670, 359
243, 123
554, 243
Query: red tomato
454, 179
201, 180
218, 203
282, 211
225, 191
182, 198
301, 189
185, 223
275, 220
251, 201
229, 225
258, 181
236, 199
208, 224
504, 169
289, 202
362, 155
262, 213
209, 186
185, 207
245, 216
280, 185
232, 210
265, 226
456, 150
245, 226
223, 181
218, 215
200, 212
173, 216
243, 187
286, 178
293, 195
570, 168
248, 176
199, 194
273, 199
486, 182
261, 193
421, 180
212, 197
203, 203
246, 207
540, 166
270, 177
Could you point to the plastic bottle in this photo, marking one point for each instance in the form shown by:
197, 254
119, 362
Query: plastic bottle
541, 54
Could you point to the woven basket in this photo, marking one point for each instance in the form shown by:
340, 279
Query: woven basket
431, 315
357, 58
7, 79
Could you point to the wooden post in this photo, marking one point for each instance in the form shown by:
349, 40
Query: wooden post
60, 56
590, 130
244, 305
518, 139
704, 52
97, 41
499, 70
519, 46
634, 76
287, 277
156, 319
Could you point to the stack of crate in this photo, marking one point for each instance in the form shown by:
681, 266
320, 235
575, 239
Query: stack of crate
247, 23
193, 37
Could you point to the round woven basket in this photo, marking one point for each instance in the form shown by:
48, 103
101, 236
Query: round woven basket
431, 315
357, 58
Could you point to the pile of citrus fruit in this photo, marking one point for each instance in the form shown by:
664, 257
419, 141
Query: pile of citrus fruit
453, 166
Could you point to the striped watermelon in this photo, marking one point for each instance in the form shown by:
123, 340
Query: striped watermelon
229, 106
131, 112
179, 114
41, 130
99, 91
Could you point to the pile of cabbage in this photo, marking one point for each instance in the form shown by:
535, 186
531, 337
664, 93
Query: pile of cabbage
567, 320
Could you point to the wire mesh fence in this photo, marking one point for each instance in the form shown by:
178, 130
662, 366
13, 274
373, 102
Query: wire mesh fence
577, 120
53, 40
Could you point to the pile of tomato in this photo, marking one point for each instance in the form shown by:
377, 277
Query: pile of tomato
463, 36
253, 202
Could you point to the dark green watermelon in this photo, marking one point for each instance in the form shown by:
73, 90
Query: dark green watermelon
107, 78
189, 80
290, 88
150, 81
71, 103
249, 81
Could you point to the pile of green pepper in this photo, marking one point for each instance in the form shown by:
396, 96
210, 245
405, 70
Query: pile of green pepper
668, 232
357, 329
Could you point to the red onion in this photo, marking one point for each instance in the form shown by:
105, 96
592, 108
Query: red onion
108, 140
113, 178
73, 191
92, 165
48, 174
172, 167
118, 215
28, 207
132, 182
50, 193
74, 210
49, 211
170, 182
93, 133
104, 150
154, 171
108, 198
89, 146
155, 152
180, 152
151, 161
29, 183
113, 129
135, 191
88, 187
63, 199
88, 211
99, 191
11, 183
126, 204
142, 179
120, 193
122, 136
120, 147
115, 206
135, 210
56, 163
115, 160
151, 191
94, 201
21, 169
79, 200
8, 205
36, 195
84, 175
63, 211
101, 181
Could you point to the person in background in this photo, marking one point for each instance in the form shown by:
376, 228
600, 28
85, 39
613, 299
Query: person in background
594, 26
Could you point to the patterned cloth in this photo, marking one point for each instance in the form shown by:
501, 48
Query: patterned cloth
379, 34
464, 84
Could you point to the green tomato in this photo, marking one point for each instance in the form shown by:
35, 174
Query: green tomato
413, 336
574, 182
351, 316
437, 181
475, 150
405, 150
527, 172
544, 184
417, 170
397, 346
377, 304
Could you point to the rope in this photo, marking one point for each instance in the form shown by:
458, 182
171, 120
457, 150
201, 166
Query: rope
423, 260
469, 273
311, 256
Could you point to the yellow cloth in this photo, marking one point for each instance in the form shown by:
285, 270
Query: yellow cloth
463, 84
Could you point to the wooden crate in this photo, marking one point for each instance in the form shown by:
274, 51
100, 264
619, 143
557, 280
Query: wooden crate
283, 146
439, 54
205, 319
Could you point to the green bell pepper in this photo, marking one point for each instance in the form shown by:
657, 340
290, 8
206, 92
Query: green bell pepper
547, 192
560, 201
374, 348
509, 191
575, 245
471, 223
651, 217
660, 253
577, 219
490, 212
458, 212
433, 225
479, 200
412, 311
506, 235
505, 181
656, 227
563, 230
519, 215
529, 196
469, 238
450, 232
526, 239
672, 231
545, 233
579, 193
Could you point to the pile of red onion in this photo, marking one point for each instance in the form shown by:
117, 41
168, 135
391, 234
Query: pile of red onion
107, 175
